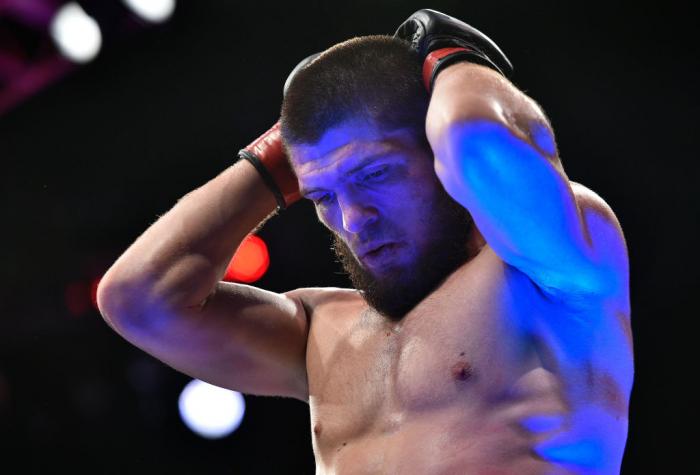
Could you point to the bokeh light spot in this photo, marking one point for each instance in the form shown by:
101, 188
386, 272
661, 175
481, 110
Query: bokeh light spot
250, 261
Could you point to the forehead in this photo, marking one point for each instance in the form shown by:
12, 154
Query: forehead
345, 142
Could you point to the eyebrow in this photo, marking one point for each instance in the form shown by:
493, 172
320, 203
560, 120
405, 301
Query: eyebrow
364, 162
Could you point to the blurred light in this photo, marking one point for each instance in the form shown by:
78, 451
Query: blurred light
77, 298
210, 411
80, 295
250, 261
76, 34
155, 11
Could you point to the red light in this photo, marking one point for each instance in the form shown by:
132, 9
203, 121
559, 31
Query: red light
77, 298
250, 261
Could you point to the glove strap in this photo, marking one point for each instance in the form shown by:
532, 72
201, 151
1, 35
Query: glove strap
267, 155
443, 57
433, 60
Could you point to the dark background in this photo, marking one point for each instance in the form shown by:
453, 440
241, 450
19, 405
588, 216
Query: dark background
93, 160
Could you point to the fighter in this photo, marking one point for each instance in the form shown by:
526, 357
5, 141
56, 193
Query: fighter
488, 329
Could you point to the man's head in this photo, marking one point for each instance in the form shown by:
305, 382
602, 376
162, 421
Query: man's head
353, 125
375, 78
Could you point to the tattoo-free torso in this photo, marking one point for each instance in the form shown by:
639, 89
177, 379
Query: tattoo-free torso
487, 375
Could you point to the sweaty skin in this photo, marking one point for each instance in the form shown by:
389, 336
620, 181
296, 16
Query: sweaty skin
484, 373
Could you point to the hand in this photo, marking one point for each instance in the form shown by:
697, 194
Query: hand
267, 155
441, 40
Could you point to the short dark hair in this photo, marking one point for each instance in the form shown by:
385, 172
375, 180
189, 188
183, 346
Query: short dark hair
376, 78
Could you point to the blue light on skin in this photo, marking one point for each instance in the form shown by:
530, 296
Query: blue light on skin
521, 202
518, 197
543, 423
361, 179
559, 445
590, 440
543, 139
587, 453
524, 206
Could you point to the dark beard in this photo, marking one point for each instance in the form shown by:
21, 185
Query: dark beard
394, 294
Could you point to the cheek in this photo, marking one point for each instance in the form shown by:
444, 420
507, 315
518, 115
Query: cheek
323, 218
328, 219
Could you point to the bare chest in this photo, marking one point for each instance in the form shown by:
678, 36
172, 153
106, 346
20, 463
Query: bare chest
462, 344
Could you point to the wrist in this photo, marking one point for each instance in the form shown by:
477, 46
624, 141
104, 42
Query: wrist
267, 155
439, 59
463, 91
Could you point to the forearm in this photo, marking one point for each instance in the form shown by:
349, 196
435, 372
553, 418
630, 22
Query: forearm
469, 93
180, 258
466, 92
495, 155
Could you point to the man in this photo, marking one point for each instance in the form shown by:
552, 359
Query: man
488, 331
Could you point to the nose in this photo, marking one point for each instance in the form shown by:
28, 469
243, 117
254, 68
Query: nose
356, 214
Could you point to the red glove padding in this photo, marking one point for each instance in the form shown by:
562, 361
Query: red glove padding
267, 156
434, 62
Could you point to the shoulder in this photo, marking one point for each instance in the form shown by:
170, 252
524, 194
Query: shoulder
314, 299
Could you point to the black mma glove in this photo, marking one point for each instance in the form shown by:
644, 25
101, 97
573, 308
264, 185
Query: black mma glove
441, 40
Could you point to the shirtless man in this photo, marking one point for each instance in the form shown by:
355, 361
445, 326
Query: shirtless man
489, 335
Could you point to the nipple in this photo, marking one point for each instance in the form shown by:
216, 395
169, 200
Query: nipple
462, 370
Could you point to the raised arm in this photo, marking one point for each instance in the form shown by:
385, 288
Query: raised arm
165, 296
495, 154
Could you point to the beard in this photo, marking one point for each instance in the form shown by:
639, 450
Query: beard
395, 293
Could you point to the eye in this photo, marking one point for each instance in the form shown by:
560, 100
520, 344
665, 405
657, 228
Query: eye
324, 198
375, 174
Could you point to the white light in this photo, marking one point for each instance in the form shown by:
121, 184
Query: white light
76, 34
155, 11
210, 411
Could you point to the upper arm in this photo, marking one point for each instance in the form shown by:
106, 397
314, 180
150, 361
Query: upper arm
242, 338
577, 268
495, 154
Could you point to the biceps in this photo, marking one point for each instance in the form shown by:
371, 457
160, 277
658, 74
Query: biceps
592, 264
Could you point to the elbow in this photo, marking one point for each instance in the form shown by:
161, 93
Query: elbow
140, 303
124, 309
121, 304
112, 301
